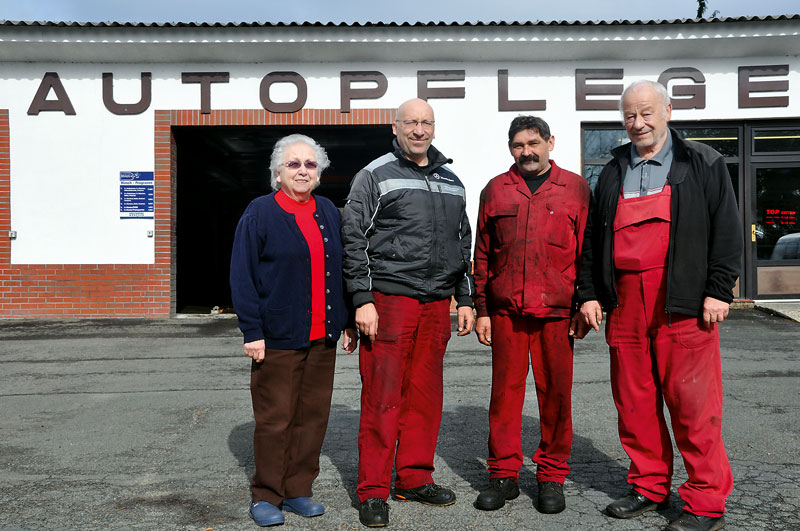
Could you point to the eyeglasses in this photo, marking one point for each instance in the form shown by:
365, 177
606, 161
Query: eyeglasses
295, 164
412, 124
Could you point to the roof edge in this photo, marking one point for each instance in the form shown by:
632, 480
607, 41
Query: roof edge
306, 24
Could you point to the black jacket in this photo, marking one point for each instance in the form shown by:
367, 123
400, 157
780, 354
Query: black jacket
405, 231
706, 241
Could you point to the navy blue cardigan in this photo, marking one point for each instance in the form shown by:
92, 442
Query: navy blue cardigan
271, 274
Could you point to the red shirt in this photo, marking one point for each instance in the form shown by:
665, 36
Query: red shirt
304, 217
528, 246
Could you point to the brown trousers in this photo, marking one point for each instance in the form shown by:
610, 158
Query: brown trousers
291, 392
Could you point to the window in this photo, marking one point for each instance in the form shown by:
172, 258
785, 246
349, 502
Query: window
777, 203
776, 141
597, 145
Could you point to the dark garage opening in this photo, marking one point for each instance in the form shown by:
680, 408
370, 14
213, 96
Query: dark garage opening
220, 169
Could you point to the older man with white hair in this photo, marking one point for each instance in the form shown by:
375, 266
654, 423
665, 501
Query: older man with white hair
661, 255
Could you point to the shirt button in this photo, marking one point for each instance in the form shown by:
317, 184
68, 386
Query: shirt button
327, 291
551, 211
326, 239
322, 227
327, 273
329, 306
327, 256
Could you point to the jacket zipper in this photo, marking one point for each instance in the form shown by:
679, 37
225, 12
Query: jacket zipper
435, 242
441, 200
606, 221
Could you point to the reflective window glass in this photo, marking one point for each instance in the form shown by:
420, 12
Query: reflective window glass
777, 223
598, 143
591, 172
724, 139
733, 170
776, 140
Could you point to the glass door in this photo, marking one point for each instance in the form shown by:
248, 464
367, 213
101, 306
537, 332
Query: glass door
777, 229
774, 192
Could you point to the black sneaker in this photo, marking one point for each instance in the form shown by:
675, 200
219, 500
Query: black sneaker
374, 512
430, 494
500, 490
551, 497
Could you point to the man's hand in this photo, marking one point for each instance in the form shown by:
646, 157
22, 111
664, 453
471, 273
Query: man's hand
483, 327
367, 320
255, 349
349, 340
466, 318
578, 327
592, 314
714, 311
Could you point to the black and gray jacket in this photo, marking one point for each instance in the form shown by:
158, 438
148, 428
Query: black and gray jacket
405, 231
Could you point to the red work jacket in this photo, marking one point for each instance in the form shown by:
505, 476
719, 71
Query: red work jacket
528, 247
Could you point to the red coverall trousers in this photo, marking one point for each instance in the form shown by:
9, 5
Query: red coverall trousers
550, 347
401, 394
659, 358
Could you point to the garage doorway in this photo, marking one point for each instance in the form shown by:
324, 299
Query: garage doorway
220, 169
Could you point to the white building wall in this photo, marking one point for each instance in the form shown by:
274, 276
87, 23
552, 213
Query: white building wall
65, 169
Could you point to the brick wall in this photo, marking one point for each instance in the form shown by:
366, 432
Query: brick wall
130, 290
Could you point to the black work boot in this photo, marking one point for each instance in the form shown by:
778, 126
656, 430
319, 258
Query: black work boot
494, 497
374, 512
551, 497
634, 504
693, 522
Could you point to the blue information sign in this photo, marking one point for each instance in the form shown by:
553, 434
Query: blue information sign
136, 195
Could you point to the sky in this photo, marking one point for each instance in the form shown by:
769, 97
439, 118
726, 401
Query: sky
271, 11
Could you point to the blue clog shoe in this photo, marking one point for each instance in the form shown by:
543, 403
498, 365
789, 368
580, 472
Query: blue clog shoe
304, 506
265, 514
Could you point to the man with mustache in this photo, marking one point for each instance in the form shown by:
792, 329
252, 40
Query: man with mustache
661, 256
531, 221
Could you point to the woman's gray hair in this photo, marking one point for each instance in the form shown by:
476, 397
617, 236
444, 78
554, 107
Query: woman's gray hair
660, 89
277, 156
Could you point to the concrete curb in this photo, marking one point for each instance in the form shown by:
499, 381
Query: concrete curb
780, 311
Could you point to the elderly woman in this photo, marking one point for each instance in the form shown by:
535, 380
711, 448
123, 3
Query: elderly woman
286, 284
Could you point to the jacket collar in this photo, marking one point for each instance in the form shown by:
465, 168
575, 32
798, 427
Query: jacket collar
680, 155
555, 179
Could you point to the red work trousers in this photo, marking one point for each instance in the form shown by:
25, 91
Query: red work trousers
291, 392
550, 347
401, 394
654, 362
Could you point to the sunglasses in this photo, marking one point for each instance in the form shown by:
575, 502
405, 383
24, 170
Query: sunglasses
295, 164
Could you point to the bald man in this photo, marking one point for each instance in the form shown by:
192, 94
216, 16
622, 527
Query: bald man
407, 244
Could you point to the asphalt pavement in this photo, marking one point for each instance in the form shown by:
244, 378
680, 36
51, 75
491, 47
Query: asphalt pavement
146, 424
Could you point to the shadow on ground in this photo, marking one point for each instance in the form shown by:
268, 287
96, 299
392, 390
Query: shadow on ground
462, 445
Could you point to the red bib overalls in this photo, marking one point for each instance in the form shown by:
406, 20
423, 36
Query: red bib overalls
659, 358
